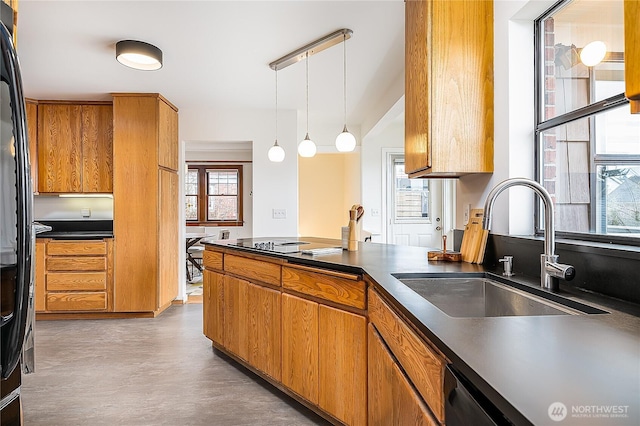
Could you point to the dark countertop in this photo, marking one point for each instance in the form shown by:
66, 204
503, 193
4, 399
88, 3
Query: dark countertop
78, 229
522, 364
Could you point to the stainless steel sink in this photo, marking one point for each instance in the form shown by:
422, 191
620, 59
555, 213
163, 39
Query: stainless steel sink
482, 297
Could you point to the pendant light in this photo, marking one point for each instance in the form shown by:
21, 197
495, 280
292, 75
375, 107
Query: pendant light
307, 147
345, 142
276, 152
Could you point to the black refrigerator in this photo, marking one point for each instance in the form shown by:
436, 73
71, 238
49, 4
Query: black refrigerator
16, 234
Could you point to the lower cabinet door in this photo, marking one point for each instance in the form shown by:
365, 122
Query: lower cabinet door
236, 316
212, 306
300, 346
342, 360
393, 400
264, 330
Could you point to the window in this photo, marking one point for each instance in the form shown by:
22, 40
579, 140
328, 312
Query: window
411, 196
213, 195
588, 153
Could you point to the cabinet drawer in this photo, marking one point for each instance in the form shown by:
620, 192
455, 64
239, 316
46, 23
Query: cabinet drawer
69, 248
337, 287
76, 264
253, 270
212, 259
424, 367
61, 281
70, 301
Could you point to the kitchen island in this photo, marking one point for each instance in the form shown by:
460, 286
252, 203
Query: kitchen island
530, 368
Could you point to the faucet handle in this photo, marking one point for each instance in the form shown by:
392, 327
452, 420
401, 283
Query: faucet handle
508, 265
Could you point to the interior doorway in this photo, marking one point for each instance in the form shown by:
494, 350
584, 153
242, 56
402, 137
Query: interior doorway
418, 212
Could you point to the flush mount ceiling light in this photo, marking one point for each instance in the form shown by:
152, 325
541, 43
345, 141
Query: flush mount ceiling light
138, 55
345, 142
276, 152
593, 53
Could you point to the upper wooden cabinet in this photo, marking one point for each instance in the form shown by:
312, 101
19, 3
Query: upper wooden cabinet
448, 87
74, 144
632, 53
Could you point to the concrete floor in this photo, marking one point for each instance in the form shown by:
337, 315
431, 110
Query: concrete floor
159, 371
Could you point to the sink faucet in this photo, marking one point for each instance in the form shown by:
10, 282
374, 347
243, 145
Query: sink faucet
550, 269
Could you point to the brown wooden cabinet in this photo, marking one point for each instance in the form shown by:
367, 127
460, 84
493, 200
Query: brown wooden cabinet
74, 275
300, 346
74, 145
342, 362
423, 365
448, 87
242, 309
632, 53
324, 357
213, 306
324, 347
396, 400
145, 197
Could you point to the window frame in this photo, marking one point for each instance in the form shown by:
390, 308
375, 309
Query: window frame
203, 195
541, 125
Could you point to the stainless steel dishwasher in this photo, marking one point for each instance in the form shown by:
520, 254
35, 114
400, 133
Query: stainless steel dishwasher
464, 405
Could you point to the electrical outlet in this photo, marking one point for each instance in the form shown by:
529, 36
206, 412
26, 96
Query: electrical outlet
279, 213
375, 212
467, 212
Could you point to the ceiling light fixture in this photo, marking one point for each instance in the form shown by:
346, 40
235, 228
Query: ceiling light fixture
345, 142
276, 152
307, 147
139, 55
593, 53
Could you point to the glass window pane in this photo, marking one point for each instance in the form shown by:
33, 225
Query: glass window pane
191, 182
617, 131
411, 196
619, 200
222, 208
191, 207
569, 80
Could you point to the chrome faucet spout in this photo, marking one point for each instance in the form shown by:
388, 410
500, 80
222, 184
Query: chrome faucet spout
550, 270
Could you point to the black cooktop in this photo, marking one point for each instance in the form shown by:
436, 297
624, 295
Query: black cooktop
279, 245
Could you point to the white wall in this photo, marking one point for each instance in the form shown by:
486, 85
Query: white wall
275, 185
514, 114
372, 164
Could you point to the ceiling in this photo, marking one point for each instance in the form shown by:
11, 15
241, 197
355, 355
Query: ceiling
216, 53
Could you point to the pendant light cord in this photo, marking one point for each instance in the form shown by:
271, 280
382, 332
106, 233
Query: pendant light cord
276, 106
344, 59
307, 64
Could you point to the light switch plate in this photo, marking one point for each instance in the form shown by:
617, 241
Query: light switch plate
279, 213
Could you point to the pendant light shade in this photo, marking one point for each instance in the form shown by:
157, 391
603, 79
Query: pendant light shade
138, 55
345, 142
307, 148
276, 152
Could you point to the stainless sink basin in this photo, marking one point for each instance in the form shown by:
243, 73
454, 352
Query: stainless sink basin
482, 297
